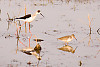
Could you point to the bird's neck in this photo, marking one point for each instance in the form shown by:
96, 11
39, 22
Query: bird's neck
72, 37
34, 15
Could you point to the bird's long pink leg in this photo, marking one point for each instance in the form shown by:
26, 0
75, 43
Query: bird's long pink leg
22, 43
19, 27
30, 36
17, 34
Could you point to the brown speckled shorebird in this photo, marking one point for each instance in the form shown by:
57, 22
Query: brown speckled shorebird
67, 39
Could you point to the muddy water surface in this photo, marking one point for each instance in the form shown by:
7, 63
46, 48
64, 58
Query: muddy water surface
62, 18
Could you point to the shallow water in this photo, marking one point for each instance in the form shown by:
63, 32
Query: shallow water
61, 19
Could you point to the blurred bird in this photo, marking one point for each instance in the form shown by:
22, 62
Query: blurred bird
67, 48
67, 39
31, 51
38, 49
29, 17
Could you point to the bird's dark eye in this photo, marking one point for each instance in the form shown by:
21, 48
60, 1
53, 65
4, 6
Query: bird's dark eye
38, 11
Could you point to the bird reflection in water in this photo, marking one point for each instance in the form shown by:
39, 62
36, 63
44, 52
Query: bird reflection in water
67, 48
31, 51
38, 49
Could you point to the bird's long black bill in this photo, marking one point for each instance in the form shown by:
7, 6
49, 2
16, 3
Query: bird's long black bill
75, 38
41, 14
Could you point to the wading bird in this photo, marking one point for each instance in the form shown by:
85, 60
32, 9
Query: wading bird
28, 18
67, 39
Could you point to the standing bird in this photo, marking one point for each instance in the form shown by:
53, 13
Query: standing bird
29, 17
67, 39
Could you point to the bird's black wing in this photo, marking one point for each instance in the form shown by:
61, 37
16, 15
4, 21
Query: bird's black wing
24, 17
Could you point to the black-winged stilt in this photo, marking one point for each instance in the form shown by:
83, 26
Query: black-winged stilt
28, 18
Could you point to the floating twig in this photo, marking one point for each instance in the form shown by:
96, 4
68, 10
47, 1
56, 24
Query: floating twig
90, 29
9, 20
89, 23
